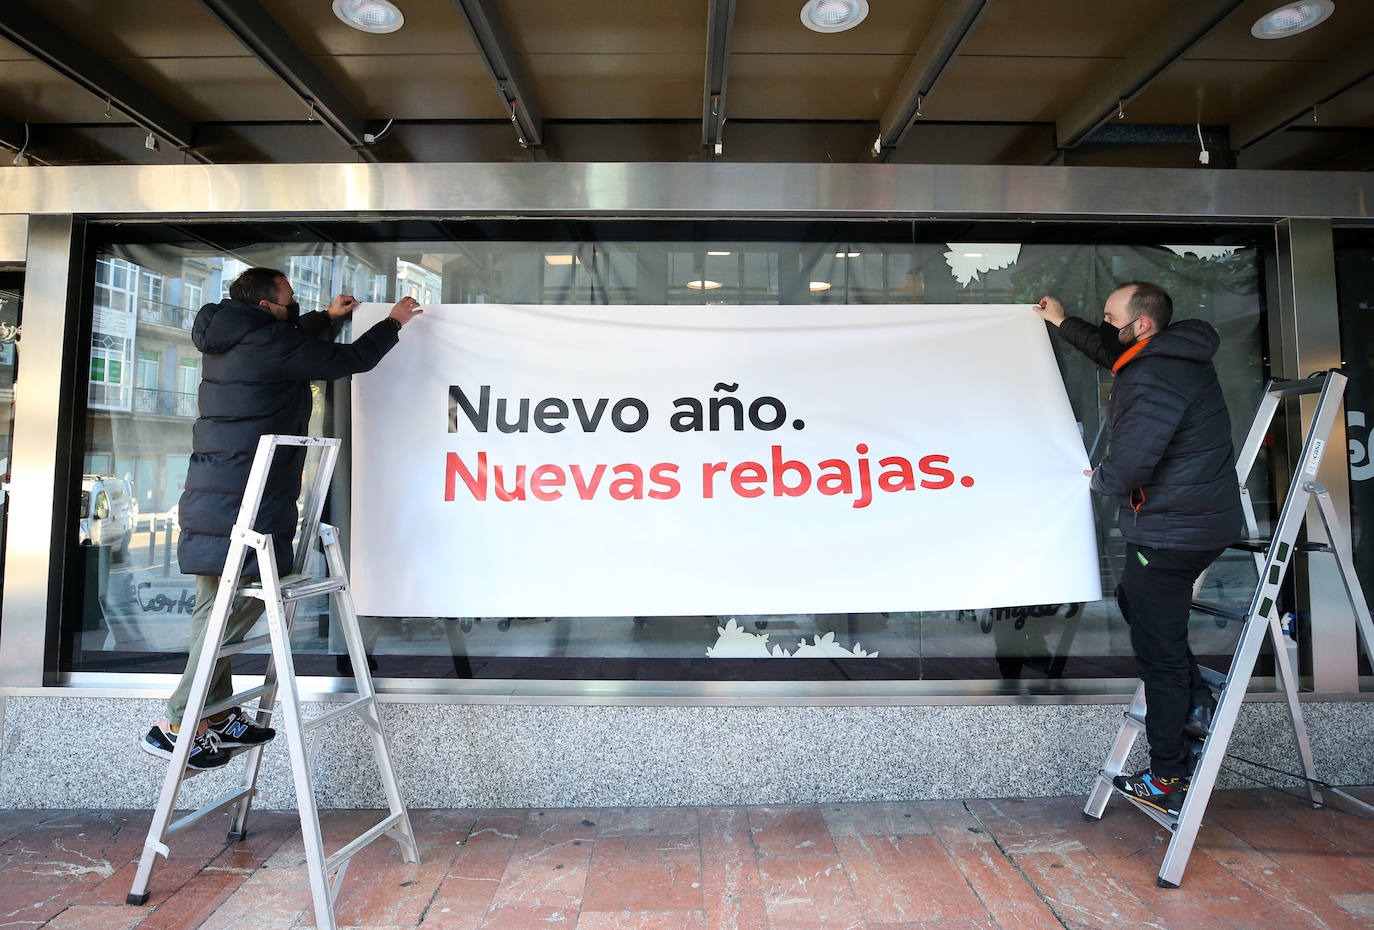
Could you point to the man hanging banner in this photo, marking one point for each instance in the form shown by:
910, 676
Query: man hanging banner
622, 461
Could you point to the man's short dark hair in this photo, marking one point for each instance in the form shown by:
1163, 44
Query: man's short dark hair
1150, 300
256, 284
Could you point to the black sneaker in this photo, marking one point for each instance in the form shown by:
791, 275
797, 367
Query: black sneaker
205, 751
236, 731
1163, 794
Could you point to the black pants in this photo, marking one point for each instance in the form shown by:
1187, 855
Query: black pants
1155, 591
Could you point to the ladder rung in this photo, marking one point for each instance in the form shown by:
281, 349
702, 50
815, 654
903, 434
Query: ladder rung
1297, 387
1167, 821
1214, 679
234, 700
244, 645
1262, 545
1214, 609
297, 590
224, 800
343, 855
331, 715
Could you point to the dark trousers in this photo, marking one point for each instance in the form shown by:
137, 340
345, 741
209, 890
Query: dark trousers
1154, 595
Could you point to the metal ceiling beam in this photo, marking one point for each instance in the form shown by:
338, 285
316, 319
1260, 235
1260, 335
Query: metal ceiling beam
44, 40
952, 25
1317, 86
720, 24
493, 44
270, 44
1177, 31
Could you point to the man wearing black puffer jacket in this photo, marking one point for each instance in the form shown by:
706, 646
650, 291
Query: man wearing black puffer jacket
1171, 465
259, 357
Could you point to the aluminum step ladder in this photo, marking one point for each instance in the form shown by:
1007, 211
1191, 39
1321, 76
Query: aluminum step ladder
1261, 620
280, 596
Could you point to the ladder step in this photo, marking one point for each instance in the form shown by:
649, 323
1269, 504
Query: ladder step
246, 644
234, 700
343, 855
298, 589
1297, 386
223, 801
332, 715
1213, 678
1167, 821
1262, 545
1225, 611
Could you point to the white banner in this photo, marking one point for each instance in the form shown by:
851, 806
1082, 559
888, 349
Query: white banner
518, 461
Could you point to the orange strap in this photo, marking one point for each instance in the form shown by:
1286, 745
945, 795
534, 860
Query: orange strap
1129, 354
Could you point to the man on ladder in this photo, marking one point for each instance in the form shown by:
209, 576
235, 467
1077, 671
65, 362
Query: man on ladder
1171, 465
259, 357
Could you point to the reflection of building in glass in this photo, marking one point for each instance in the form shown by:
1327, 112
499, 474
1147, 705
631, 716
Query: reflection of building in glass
145, 372
417, 281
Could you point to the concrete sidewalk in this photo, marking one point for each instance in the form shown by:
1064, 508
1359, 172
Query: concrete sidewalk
1263, 859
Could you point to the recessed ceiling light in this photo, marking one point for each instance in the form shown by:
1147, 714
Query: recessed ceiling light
820, 285
1291, 19
369, 15
562, 259
833, 15
717, 253
703, 285
846, 254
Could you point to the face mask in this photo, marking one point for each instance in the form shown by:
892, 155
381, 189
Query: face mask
293, 310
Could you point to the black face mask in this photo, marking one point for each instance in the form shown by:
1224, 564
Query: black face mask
293, 310
1111, 337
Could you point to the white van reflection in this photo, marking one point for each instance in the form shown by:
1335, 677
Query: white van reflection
106, 514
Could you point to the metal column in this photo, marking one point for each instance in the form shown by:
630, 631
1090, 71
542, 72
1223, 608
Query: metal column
1306, 339
44, 443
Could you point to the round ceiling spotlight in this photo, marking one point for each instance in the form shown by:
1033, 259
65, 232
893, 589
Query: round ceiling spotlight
820, 286
1291, 19
705, 284
376, 16
833, 15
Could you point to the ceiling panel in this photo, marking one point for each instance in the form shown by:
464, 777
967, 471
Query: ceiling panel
618, 86
1004, 88
217, 89
34, 92
1355, 107
1210, 92
1064, 28
431, 27
607, 26
893, 27
801, 87
143, 29
1231, 38
415, 87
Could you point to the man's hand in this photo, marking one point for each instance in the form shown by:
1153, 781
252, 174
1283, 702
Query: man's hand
1051, 309
407, 309
341, 307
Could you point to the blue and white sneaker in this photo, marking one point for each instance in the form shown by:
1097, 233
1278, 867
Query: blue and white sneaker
236, 731
206, 752
1163, 794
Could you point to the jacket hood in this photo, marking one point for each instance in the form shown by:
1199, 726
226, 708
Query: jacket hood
219, 327
1194, 340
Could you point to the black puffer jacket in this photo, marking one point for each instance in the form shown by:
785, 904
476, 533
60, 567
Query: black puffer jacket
255, 379
1169, 458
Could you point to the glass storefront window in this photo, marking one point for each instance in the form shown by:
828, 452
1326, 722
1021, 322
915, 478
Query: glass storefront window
138, 619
